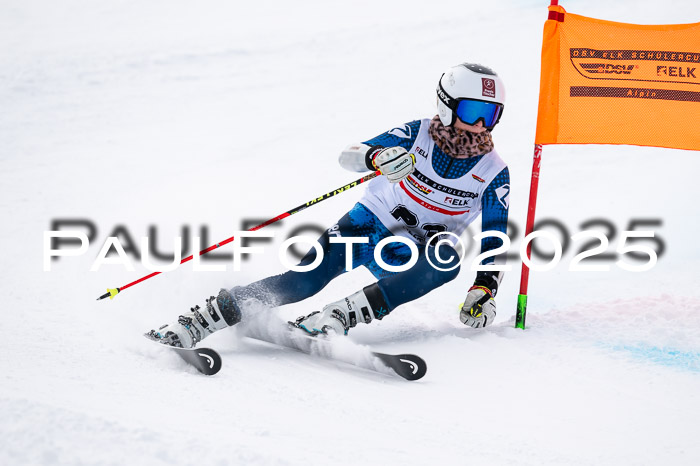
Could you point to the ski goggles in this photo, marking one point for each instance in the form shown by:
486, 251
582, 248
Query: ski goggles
470, 111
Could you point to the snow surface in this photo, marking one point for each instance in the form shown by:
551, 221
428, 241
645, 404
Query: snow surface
175, 113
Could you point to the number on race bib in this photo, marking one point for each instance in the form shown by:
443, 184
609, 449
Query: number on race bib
410, 219
400, 212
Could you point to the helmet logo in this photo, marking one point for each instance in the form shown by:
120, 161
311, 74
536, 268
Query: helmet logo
488, 87
443, 96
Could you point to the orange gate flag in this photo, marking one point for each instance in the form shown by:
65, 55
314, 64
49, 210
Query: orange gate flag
604, 82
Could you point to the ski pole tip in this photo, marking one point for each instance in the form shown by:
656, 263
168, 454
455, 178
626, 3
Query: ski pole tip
111, 293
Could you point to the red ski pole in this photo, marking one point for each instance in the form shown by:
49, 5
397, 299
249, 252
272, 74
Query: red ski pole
112, 292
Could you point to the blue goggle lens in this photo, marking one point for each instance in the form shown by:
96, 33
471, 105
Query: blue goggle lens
471, 111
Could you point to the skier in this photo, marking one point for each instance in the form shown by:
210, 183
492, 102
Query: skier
439, 174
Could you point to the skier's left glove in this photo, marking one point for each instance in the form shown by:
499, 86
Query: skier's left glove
479, 308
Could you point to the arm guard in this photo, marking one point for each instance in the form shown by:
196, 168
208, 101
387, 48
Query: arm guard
358, 157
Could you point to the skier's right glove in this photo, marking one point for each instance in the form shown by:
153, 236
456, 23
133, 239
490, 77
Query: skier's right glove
393, 162
479, 308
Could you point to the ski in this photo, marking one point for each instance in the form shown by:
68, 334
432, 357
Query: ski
407, 366
205, 360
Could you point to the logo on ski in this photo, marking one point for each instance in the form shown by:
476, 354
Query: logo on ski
411, 364
209, 359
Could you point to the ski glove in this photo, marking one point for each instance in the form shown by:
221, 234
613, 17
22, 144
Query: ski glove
393, 162
479, 308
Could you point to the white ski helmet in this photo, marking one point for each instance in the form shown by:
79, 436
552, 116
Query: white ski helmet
470, 92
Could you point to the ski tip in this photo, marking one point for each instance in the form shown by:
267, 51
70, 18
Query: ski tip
408, 366
209, 361
414, 366
205, 360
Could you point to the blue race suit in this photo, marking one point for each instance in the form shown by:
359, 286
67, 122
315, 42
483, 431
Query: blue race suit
396, 287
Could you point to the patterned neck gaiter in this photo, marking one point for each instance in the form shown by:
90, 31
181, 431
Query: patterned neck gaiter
457, 143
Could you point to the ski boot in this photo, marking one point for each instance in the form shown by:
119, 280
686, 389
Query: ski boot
338, 317
194, 326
